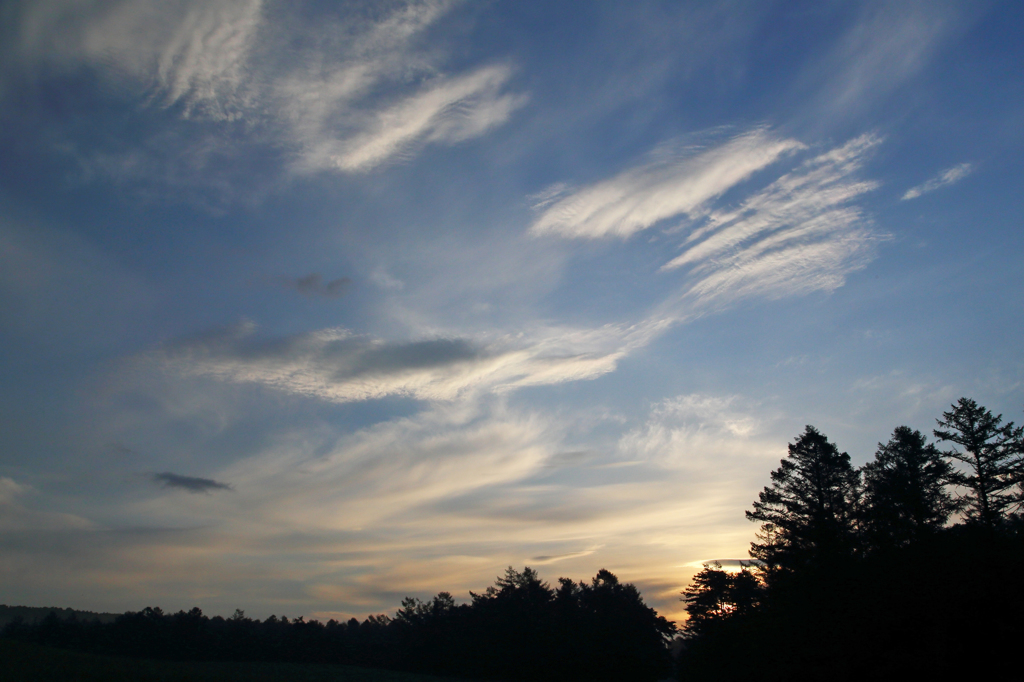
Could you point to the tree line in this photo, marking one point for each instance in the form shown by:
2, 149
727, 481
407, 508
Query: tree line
909, 566
520, 628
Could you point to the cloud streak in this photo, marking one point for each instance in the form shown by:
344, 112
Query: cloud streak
447, 111
18, 515
190, 484
388, 471
339, 366
672, 185
802, 233
886, 47
191, 53
680, 432
946, 177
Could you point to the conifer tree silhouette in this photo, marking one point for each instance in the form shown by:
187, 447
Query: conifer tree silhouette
808, 511
991, 450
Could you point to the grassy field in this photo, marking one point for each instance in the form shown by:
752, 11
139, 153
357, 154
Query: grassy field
21, 662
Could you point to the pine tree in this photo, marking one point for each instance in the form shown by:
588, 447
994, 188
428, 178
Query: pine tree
905, 490
808, 511
991, 450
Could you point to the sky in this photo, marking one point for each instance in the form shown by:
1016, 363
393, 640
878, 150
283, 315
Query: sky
306, 307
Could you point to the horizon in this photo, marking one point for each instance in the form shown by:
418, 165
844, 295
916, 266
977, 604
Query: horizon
306, 308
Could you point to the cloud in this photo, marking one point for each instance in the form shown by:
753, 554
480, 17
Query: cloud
189, 483
192, 53
384, 280
550, 559
385, 474
946, 177
206, 165
360, 91
17, 514
339, 366
672, 184
313, 284
887, 45
121, 450
449, 110
801, 233
697, 432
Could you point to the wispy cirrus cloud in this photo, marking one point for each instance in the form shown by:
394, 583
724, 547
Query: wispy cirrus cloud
449, 110
360, 92
802, 232
193, 53
697, 431
673, 184
340, 366
946, 177
553, 558
383, 474
339, 515
17, 513
887, 45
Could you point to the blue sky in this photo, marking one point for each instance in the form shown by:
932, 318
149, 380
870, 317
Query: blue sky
307, 307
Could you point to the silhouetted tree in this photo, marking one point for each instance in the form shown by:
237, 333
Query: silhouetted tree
904, 493
511, 628
808, 511
416, 612
830, 611
622, 638
991, 450
715, 595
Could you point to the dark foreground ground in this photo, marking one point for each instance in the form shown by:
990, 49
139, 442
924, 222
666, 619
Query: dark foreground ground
22, 662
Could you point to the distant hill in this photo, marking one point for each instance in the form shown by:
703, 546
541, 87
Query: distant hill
34, 614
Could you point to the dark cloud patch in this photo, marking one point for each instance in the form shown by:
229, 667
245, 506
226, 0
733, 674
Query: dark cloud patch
395, 357
550, 558
191, 484
340, 358
313, 285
